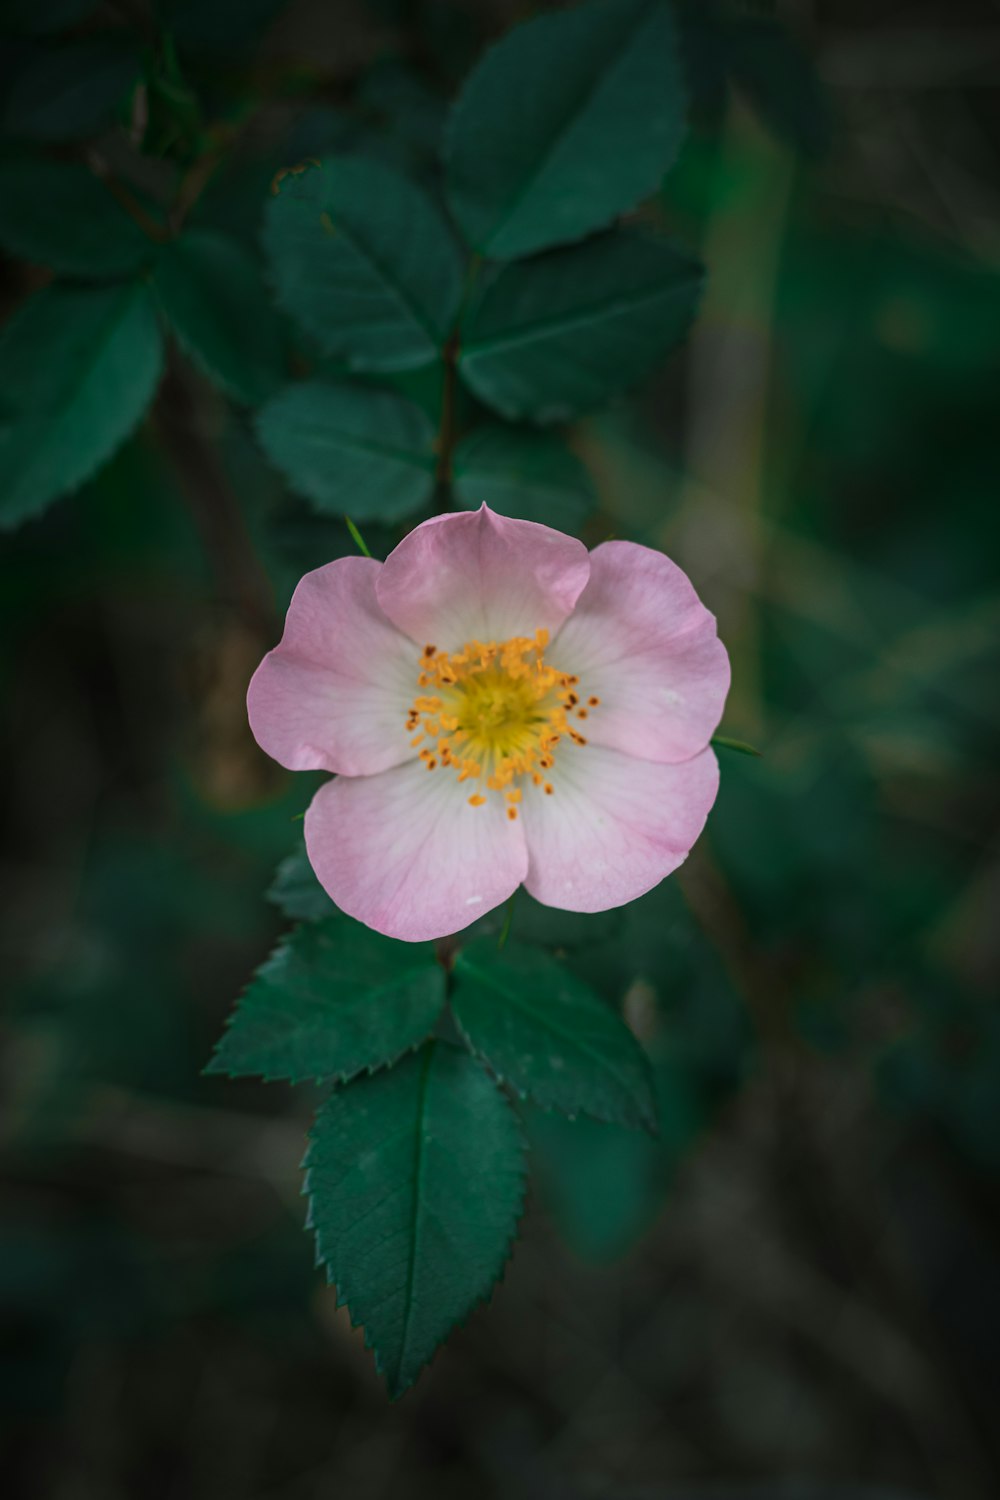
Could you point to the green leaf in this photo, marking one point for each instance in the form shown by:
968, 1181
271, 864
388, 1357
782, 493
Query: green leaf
218, 27
333, 999
364, 261
559, 335
58, 214
569, 121
415, 1178
530, 475
78, 367
71, 90
214, 297
781, 82
603, 1183
296, 891
549, 1036
350, 448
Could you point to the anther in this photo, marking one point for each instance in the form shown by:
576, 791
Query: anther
477, 800
512, 814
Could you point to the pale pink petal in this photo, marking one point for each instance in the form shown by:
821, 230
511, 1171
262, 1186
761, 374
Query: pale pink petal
406, 854
613, 826
642, 642
334, 694
475, 575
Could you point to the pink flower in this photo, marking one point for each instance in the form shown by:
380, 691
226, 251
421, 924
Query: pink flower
501, 707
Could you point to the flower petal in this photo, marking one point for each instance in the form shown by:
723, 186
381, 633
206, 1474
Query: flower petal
406, 854
334, 693
641, 641
475, 575
614, 826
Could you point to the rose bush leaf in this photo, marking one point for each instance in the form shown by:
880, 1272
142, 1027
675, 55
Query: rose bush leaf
415, 1177
71, 90
522, 473
214, 298
546, 1033
78, 367
58, 214
333, 999
570, 120
349, 448
365, 262
296, 891
549, 338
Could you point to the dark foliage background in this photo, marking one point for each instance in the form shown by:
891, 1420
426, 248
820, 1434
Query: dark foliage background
796, 1294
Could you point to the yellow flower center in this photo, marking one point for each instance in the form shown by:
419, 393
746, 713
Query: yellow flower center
494, 712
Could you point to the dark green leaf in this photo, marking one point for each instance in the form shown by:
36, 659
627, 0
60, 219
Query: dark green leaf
71, 90
781, 82
347, 448
603, 1183
77, 370
547, 1034
559, 335
522, 473
569, 121
606, 1183
218, 26
333, 999
58, 214
296, 891
416, 1182
212, 292
365, 262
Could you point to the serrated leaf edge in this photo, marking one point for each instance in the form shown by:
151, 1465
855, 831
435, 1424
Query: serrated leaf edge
481, 1301
367, 1070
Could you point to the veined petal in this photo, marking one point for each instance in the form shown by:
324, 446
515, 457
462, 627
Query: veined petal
475, 575
333, 694
614, 826
641, 641
405, 853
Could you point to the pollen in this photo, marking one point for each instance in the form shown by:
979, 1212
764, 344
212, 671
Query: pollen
495, 711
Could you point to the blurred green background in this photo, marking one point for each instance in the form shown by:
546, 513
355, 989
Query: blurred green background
795, 1292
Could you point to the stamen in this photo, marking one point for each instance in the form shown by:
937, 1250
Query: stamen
494, 712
